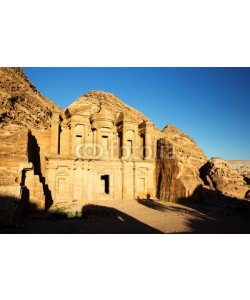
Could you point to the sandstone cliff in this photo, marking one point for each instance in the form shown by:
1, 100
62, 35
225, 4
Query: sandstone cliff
187, 171
190, 156
25, 114
25, 120
21, 103
179, 167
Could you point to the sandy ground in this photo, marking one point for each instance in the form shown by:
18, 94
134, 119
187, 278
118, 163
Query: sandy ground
142, 216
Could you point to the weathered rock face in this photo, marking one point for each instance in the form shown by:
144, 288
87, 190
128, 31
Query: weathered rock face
224, 179
100, 102
243, 167
96, 101
24, 113
21, 103
13, 152
190, 156
18, 177
13, 149
178, 169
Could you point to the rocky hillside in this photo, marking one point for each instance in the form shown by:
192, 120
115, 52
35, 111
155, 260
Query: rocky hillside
21, 103
95, 101
25, 120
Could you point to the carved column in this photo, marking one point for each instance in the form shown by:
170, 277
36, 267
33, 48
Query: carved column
136, 152
148, 143
65, 140
54, 137
114, 153
94, 139
72, 138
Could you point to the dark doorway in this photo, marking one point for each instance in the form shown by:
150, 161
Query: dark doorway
105, 179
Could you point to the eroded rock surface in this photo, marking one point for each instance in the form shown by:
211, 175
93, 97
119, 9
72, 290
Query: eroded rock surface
21, 103
24, 112
226, 180
178, 171
243, 167
95, 101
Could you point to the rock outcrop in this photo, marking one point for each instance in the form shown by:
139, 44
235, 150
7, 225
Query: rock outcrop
13, 152
102, 102
21, 103
224, 179
190, 156
179, 165
24, 114
96, 101
242, 167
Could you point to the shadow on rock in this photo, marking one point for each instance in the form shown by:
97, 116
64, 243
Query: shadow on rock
10, 210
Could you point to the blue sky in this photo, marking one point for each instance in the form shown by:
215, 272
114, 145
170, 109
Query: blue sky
212, 105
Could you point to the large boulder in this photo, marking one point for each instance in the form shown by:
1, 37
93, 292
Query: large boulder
225, 180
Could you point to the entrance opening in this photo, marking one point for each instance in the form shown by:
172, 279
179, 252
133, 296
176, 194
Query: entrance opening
105, 183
